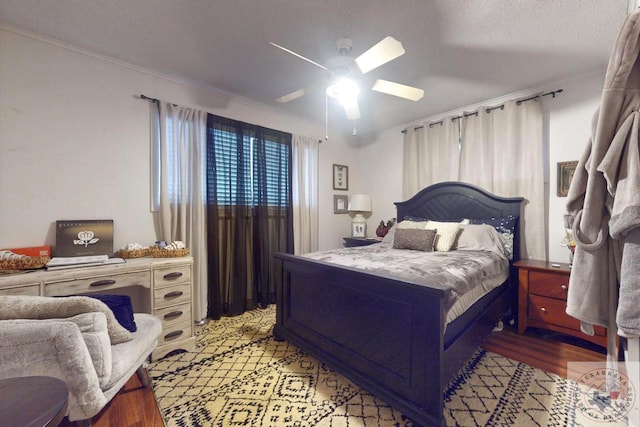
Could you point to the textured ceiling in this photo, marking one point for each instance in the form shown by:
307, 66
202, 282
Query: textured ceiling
459, 51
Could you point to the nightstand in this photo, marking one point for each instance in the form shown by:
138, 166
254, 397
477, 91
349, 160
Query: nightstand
350, 242
542, 300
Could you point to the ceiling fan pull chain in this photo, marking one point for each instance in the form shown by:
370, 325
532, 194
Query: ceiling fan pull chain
355, 132
326, 117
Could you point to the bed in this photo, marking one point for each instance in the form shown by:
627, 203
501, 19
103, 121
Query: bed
389, 334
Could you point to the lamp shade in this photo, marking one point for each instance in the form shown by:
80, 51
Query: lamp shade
359, 203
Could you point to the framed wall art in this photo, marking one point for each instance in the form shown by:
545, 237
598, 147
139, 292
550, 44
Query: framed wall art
565, 175
340, 204
340, 177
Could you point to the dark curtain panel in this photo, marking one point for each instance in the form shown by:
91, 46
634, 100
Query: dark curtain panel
249, 213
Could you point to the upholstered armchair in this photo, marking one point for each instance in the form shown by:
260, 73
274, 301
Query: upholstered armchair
90, 351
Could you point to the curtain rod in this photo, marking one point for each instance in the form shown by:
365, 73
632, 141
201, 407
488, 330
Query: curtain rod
489, 109
147, 98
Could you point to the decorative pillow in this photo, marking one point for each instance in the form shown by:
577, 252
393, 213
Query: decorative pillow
506, 227
121, 307
447, 234
416, 239
480, 237
388, 238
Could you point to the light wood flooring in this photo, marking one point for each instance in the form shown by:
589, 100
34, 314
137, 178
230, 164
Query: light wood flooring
135, 405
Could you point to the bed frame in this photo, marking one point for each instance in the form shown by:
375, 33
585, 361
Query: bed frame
385, 334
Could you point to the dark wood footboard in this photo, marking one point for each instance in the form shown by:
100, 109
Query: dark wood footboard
383, 334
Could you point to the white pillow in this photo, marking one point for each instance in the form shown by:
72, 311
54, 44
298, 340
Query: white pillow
481, 237
422, 225
447, 234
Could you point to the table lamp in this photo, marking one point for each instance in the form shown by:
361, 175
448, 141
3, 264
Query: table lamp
359, 204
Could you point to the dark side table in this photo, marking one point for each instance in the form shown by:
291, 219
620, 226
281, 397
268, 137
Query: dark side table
33, 401
350, 242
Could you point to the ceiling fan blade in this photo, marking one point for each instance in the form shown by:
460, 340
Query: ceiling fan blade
384, 51
397, 89
298, 55
291, 96
351, 108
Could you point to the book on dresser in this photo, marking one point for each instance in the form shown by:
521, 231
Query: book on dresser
60, 263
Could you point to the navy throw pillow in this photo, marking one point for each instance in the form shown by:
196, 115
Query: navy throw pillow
121, 307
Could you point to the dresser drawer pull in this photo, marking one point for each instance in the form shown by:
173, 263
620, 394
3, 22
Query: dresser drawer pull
173, 294
172, 276
564, 287
172, 335
103, 282
173, 315
544, 310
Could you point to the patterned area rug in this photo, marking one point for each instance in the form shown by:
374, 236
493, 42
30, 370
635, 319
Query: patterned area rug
240, 376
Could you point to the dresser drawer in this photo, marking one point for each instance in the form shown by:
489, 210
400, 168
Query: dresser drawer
548, 284
98, 283
172, 275
172, 295
177, 332
174, 313
25, 290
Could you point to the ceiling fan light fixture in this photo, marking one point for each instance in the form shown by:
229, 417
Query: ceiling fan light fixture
344, 90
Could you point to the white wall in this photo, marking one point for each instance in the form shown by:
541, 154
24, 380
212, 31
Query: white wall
74, 142
567, 120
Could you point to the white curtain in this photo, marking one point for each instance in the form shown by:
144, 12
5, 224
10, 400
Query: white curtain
305, 194
502, 152
430, 155
179, 153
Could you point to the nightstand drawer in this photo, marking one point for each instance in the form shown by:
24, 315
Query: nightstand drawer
553, 285
552, 311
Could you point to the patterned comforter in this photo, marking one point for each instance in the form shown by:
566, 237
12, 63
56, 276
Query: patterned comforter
457, 272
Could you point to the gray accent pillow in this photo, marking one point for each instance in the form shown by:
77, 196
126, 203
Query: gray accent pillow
414, 238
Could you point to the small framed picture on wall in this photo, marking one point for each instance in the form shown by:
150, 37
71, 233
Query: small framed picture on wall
340, 204
340, 177
565, 175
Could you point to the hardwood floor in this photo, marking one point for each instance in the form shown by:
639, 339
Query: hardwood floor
135, 406
545, 350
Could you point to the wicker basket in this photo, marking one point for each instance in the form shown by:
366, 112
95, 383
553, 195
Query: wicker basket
134, 253
166, 253
30, 263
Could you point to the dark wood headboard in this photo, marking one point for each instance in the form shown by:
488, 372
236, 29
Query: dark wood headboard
458, 200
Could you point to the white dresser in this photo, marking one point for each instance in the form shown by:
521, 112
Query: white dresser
162, 286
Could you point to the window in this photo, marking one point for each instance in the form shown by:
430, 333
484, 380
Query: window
247, 170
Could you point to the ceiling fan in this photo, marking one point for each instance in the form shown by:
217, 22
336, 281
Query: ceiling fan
346, 71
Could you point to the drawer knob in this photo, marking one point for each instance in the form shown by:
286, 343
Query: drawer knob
172, 276
173, 294
103, 282
544, 310
172, 335
564, 287
173, 315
